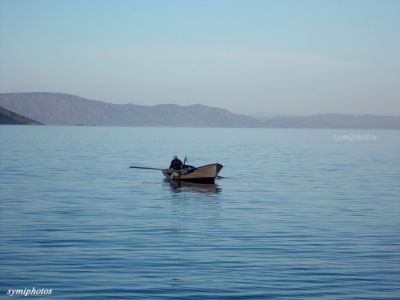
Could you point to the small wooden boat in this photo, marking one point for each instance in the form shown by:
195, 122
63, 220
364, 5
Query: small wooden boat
203, 174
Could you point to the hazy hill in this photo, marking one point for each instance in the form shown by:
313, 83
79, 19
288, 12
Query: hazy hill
64, 109
337, 121
9, 117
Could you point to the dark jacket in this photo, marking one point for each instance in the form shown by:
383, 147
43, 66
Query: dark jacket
176, 164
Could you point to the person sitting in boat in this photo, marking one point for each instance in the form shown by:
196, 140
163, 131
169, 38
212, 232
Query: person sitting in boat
176, 163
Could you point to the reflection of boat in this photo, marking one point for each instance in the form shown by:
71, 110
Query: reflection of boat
187, 186
203, 174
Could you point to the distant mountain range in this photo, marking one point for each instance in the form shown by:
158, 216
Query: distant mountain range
64, 109
11, 118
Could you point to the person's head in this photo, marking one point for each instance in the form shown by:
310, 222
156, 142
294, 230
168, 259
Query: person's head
175, 157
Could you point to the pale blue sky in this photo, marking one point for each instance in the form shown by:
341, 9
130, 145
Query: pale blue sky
253, 57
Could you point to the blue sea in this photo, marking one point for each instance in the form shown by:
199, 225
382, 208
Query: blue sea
298, 214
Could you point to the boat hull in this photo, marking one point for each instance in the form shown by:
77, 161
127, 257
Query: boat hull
203, 174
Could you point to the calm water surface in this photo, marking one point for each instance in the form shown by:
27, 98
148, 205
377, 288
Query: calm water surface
297, 216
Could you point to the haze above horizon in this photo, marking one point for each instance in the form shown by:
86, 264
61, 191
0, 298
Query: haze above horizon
251, 57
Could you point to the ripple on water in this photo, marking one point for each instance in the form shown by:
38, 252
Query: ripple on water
294, 220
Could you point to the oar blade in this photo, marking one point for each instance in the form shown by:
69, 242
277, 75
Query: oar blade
145, 168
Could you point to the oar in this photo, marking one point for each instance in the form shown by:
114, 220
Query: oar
145, 168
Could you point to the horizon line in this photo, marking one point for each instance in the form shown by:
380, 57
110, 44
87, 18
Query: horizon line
269, 115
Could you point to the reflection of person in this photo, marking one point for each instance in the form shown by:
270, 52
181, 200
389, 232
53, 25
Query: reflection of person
176, 163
